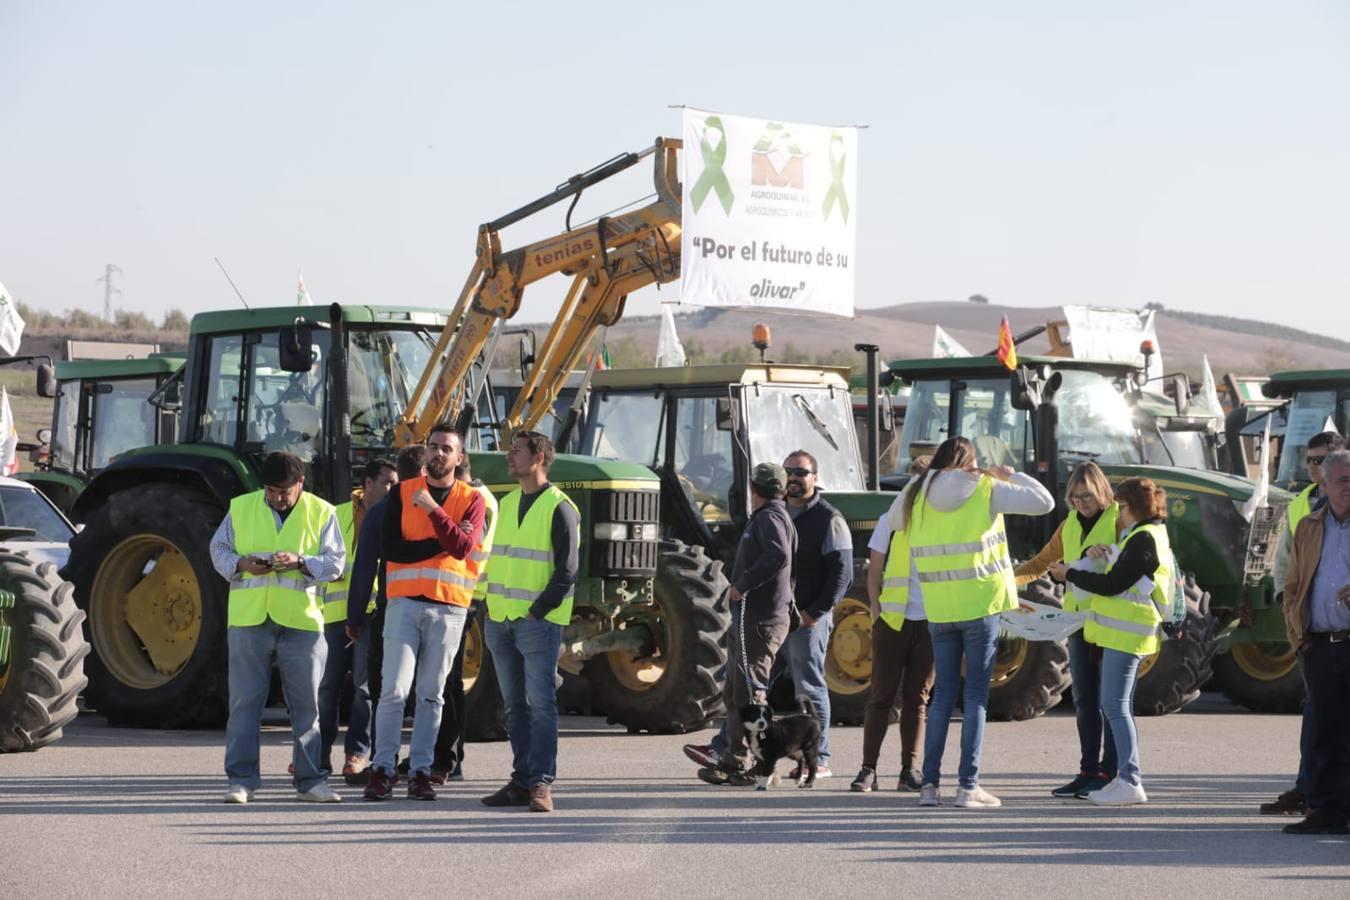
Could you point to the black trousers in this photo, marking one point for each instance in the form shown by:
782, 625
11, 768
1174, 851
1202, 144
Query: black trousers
1327, 666
449, 753
375, 666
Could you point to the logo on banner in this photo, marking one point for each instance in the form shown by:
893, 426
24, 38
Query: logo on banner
713, 177
777, 160
837, 196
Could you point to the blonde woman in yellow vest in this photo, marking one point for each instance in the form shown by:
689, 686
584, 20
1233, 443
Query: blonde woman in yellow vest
276, 547
346, 653
1091, 521
953, 521
531, 575
1125, 620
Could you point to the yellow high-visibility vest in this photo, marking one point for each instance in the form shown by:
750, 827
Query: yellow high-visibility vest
522, 558
483, 552
1071, 536
1299, 508
1129, 621
280, 596
962, 558
894, 596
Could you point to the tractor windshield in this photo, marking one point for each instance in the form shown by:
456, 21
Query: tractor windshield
382, 370
1310, 413
122, 418
782, 419
63, 434
983, 413
1095, 421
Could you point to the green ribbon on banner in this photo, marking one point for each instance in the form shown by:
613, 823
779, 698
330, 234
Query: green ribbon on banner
836, 193
713, 178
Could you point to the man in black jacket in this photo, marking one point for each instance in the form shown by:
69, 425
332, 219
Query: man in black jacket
824, 572
761, 596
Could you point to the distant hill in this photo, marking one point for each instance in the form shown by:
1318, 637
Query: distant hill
1242, 346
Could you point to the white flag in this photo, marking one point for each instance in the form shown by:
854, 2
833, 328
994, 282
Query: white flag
945, 346
1262, 489
669, 350
9, 436
11, 326
301, 294
1208, 388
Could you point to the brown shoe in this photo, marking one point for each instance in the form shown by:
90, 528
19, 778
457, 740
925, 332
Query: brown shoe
437, 776
510, 795
1290, 803
419, 787
381, 786
541, 798
354, 765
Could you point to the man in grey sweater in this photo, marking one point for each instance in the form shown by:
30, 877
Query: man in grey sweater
761, 597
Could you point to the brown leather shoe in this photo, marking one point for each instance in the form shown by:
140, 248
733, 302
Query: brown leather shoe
1290, 803
419, 787
437, 776
381, 786
510, 795
354, 765
541, 798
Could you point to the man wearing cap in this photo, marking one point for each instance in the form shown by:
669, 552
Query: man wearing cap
761, 597
275, 546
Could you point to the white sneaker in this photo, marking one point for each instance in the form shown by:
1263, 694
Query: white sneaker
929, 796
238, 794
1119, 793
976, 798
320, 793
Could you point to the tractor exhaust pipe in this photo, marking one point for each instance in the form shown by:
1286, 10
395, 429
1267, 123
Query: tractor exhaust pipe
872, 450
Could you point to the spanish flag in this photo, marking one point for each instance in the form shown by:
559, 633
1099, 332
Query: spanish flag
1007, 350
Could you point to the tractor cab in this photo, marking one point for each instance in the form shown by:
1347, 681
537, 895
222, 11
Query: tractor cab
1317, 400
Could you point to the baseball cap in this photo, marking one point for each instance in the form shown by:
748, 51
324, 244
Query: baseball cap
281, 469
769, 475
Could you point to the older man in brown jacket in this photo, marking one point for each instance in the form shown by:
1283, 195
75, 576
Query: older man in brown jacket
1317, 620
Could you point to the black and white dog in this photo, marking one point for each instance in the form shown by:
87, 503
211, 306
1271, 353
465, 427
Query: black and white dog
796, 737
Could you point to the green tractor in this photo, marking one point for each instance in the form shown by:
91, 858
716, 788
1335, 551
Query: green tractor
1044, 418
330, 388
1261, 669
701, 430
103, 408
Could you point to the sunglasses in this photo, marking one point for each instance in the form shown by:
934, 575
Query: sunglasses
1315, 460
800, 473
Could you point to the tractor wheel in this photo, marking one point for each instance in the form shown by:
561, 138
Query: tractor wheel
485, 715
44, 674
1172, 677
1262, 676
155, 606
675, 685
1030, 677
848, 661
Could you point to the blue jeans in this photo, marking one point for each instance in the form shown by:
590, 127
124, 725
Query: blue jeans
804, 651
419, 638
1119, 674
342, 658
977, 641
1097, 755
525, 655
300, 659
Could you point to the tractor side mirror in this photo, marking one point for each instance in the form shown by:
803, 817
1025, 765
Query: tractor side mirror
296, 347
46, 380
1024, 389
1181, 393
886, 414
526, 354
728, 411
44, 435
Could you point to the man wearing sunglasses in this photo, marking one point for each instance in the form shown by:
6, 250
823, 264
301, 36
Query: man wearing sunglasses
1312, 498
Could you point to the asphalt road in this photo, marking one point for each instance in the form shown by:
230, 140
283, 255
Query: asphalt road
128, 813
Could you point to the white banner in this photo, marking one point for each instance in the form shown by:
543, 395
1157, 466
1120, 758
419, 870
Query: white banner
11, 326
1099, 332
945, 346
770, 214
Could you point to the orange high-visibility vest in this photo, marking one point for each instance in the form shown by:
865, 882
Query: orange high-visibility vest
442, 577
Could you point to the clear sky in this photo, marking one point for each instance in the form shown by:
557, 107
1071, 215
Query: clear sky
1189, 153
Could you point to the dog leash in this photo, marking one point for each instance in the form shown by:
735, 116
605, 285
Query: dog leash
744, 662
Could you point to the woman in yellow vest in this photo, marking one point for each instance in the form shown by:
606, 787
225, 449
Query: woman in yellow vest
1124, 619
953, 522
1091, 521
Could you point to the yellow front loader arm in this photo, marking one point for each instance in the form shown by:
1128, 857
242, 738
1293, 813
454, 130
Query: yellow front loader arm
606, 260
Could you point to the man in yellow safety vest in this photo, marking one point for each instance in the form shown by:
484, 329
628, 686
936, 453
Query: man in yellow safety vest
275, 547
